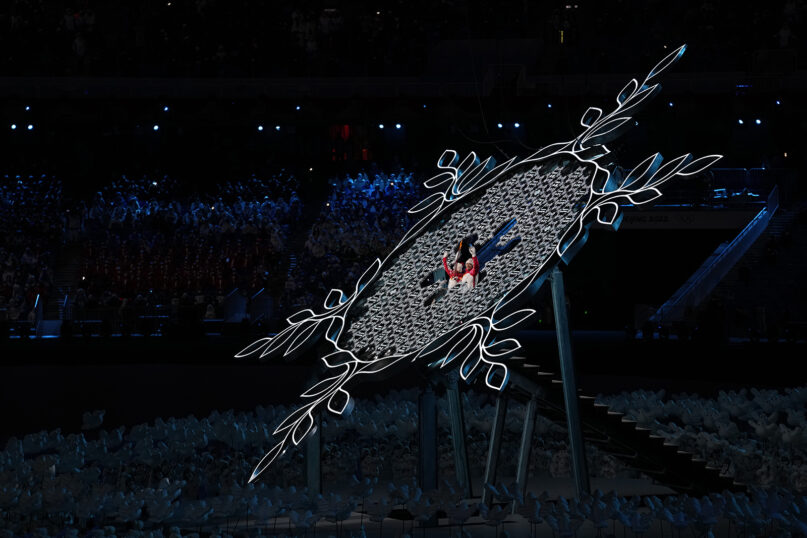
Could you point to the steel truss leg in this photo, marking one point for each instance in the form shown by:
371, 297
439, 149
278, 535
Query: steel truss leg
494, 446
313, 458
576, 448
458, 433
525, 448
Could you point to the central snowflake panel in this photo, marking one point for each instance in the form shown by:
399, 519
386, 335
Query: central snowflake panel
539, 200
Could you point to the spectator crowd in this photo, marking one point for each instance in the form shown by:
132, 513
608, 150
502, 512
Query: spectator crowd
153, 246
30, 220
363, 218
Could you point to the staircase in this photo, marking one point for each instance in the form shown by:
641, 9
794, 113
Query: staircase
755, 257
614, 433
767, 289
717, 266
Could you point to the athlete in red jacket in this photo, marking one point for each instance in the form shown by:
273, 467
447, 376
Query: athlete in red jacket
471, 269
454, 275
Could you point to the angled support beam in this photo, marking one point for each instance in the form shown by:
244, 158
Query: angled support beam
313, 457
576, 447
458, 433
525, 447
494, 447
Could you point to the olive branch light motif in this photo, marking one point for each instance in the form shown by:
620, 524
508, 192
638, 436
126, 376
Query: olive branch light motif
477, 344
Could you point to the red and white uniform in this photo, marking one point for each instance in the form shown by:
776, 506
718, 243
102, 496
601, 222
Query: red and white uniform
452, 274
469, 277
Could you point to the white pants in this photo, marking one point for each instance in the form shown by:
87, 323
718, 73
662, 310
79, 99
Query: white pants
468, 280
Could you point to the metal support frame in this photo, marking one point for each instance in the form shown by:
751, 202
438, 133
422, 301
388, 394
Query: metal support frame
427, 439
313, 457
576, 447
494, 446
525, 447
456, 418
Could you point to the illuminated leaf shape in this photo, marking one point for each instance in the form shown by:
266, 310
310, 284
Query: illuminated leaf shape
590, 116
468, 340
448, 159
338, 359
304, 336
368, 275
669, 169
469, 365
497, 376
379, 365
629, 89
571, 235
335, 329
592, 153
254, 347
340, 403
608, 130
280, 341
639, 99
322, 387
503, 348
432, 200
644, 196
335, 298
439, 180
642, 171
302, 315
293, 418
473, 178
468, 163
302, 428
513, 320
603, 182
607, 212
664, 64
551, 149
267, 460
699, 165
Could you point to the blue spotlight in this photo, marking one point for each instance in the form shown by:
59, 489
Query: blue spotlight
499, 125
30, 126
165, 109
778, 102
380, 125
277, 127
13, 126
424, 105
260, 127
549, 105
758, 121
27, 108
516, 125
397, 125
297, 107
156, 127
670, 104
740, 121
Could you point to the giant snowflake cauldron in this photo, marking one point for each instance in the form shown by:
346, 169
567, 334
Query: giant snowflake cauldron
529, 215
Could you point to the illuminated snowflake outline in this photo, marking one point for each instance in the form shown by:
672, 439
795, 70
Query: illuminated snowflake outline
475, 342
